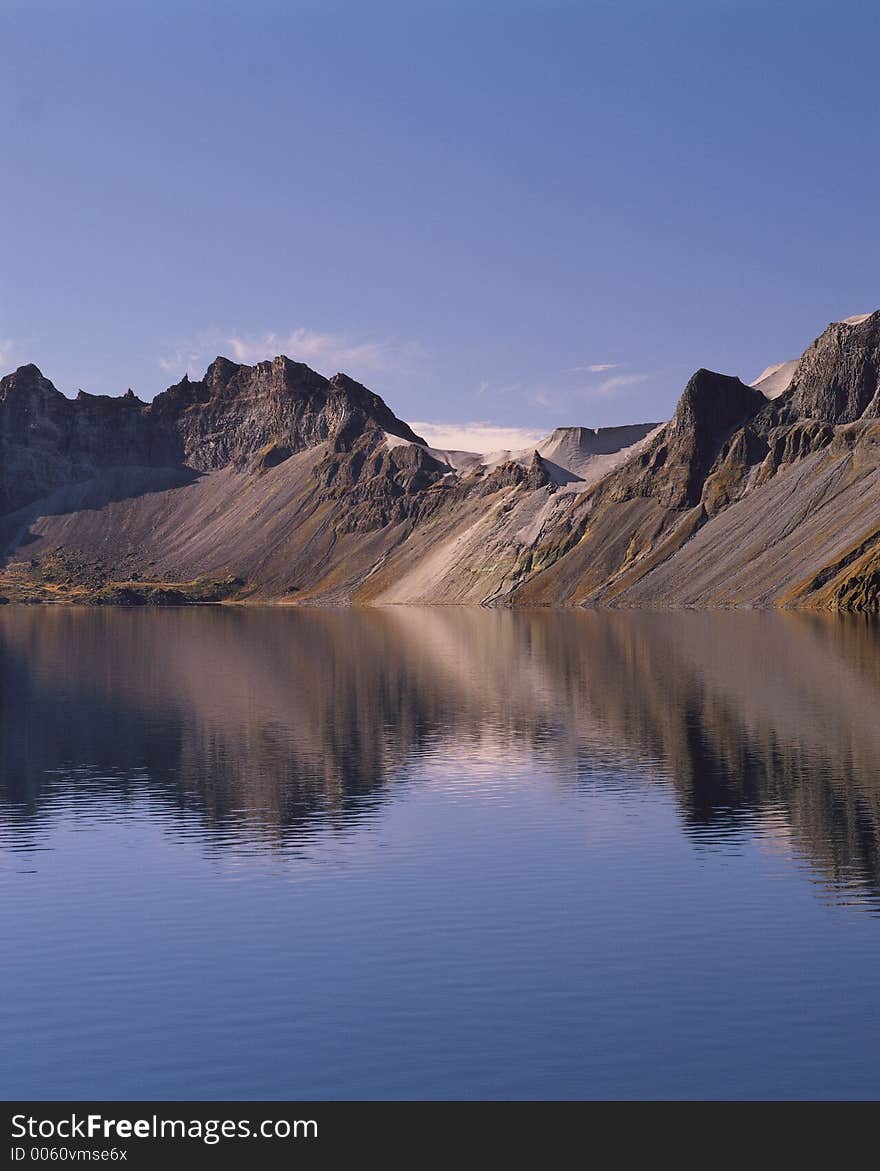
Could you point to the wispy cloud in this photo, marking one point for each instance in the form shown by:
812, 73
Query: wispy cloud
481, 437
593, 385
595, 368
7, 349
326, 352
611, 386
314, 348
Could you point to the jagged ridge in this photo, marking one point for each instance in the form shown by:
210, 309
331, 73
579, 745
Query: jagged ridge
275, 483
233, 415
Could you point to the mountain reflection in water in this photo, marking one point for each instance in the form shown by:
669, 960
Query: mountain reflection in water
272, 723
289, 853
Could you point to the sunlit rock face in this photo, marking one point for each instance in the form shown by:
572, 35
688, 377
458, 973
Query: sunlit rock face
838, 378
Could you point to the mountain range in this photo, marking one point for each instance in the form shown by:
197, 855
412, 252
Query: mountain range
271, 483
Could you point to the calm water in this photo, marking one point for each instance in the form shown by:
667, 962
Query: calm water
438, 853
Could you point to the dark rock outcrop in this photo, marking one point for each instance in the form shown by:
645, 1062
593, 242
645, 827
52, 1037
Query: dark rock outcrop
378, 485
710, 409
47, 439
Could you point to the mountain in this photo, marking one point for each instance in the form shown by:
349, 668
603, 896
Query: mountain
738, 501
272, 483
584, 454
234, 415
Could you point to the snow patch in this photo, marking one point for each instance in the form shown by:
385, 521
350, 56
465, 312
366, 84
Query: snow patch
775, 380
856, 319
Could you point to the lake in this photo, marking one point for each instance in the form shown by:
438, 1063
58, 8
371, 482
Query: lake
438, 853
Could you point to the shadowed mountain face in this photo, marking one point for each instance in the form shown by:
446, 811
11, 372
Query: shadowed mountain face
272, 483
312, 717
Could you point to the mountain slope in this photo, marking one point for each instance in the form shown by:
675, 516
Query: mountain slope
775, 507
273, 483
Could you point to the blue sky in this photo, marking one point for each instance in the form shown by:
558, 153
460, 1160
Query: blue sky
518, 214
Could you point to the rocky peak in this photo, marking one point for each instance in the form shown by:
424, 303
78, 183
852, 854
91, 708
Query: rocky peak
28, 385
711, 405
838, 377
675, 466
236, 412
127, 402
24, 376
372, 407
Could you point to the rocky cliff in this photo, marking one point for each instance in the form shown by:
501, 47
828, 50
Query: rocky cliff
233, 416
273, 483
838, 378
